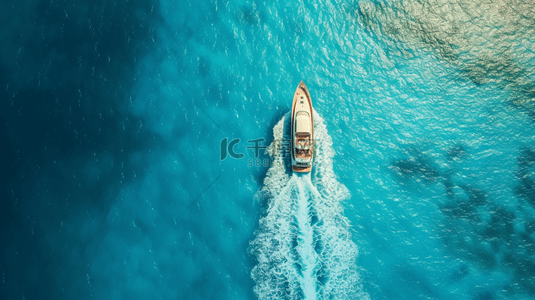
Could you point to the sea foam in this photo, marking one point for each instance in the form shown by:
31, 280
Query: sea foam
303, 244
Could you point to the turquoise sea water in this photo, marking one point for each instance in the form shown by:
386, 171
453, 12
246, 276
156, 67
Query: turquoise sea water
116, 184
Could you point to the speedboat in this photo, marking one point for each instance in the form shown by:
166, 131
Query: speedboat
302, 130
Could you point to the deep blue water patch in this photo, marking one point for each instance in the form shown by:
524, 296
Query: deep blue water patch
67, 141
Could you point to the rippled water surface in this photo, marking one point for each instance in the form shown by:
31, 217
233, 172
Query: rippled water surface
116, 182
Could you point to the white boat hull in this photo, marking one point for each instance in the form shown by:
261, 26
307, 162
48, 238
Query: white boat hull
302, 142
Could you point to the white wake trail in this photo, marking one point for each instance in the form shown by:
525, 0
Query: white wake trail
305, 239
303, 244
